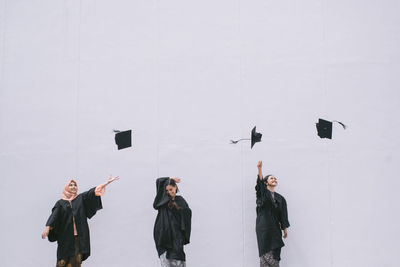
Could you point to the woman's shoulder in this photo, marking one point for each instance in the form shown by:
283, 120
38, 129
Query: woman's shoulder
279, 196
180, 199
61, 202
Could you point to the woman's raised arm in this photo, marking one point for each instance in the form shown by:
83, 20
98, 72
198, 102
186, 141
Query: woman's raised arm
259, 166
101, 189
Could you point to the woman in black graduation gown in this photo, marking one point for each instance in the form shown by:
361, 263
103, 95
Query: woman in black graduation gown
68, 224
173, 223
272, 219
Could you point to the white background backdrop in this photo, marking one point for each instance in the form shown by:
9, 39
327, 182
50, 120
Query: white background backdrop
186, 77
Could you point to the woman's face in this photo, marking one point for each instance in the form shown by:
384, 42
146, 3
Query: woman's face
171, 190
73, 188
272, 181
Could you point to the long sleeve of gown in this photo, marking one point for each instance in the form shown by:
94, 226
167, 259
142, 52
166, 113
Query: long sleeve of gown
91, 202
162, 197
53, 222
260, 192
55, 214
284, 212
186, 221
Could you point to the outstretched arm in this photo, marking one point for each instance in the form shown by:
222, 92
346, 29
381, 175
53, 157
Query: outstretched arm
161, 194
101, 189
259, 166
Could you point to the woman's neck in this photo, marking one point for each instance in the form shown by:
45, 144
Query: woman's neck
271, 188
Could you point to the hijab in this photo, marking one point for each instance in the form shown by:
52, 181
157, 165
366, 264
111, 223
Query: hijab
67, 194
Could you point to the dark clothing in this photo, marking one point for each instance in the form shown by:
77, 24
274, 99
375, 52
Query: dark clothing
172, 227
84, 206
74, 261
272, 218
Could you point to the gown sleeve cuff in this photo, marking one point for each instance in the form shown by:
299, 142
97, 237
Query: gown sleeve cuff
260, 183
100, 191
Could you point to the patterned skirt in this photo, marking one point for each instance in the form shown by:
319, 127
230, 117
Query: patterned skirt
267, 260
74, 261
170, 262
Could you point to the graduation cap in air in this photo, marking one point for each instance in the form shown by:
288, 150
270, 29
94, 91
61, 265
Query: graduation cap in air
123, 139
324, 128
255, 138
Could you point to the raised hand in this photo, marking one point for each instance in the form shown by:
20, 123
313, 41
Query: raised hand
101, 189
259, 164
176, 179
112, 179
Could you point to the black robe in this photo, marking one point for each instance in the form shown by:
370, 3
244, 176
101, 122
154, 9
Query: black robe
172, 227
84, 206
272, 218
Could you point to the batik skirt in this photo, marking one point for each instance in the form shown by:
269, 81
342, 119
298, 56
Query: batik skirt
171, 262
267, 260
74, 261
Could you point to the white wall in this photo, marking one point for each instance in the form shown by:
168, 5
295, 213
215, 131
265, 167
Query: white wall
186, 77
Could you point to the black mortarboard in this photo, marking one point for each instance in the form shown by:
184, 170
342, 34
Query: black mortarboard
123, 139
324, 128
255, 138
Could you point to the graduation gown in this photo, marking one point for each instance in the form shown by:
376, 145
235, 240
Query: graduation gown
272, 218
172, 227
84, 206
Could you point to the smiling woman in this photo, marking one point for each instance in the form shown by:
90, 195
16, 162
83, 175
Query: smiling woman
272, 219
68, 224
173, 223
